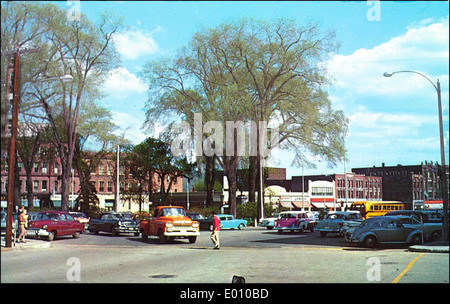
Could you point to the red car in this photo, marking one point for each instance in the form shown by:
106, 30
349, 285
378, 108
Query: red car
51, 224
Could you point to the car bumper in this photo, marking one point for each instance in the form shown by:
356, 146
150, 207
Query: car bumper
127, 229
171, 232
37, 232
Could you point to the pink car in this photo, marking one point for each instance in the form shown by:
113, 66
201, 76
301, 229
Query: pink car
294, 221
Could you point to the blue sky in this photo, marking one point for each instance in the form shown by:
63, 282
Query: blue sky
392, 120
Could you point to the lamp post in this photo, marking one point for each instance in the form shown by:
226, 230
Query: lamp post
441, 131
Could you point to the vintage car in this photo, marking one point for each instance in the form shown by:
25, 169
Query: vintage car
82, 218
228, 221
115, 223
334, 221
385, 230
294, 221
205, 223
432, 231
168, 223
52, 224
269, 222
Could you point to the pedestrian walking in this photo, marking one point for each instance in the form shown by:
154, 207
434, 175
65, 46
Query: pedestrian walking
23, 224
215, 232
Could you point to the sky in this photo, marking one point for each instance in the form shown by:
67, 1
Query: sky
391, 120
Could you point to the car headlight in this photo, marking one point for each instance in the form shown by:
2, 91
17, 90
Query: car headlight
169, 224
44, 227
195, 224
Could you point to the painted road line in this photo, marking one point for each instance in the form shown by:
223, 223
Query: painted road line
407, 268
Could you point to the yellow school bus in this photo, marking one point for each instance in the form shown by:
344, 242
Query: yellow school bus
370, 209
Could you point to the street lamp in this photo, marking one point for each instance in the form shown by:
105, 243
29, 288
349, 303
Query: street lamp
441, 131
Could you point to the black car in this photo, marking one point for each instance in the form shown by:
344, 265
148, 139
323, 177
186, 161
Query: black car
205, 223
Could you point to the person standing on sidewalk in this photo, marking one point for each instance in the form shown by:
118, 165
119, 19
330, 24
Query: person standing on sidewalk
23, 224
215, 232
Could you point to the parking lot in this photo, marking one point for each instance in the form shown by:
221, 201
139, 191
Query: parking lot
258, 255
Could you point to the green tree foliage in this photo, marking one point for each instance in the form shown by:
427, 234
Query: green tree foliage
253, 71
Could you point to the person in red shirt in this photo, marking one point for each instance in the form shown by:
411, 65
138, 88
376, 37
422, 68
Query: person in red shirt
215, 232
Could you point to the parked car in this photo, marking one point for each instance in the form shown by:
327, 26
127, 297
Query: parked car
269, 222
385, 230
205, 223
115, 223
82, 218
15, 223
432, 230
228, 221
52, 224
294, 221
334, 221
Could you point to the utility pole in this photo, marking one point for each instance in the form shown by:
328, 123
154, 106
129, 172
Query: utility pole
12, 149
12, 146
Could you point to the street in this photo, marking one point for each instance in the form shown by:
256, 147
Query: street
257, 254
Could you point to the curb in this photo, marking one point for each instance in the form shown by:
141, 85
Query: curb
24, 246
436, 249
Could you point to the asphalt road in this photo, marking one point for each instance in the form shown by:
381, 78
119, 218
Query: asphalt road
258, 255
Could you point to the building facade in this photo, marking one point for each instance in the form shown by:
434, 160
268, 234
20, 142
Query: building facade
410, 184
46, 184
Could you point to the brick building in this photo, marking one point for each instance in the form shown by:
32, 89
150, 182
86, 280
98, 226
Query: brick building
46, 181
412, 183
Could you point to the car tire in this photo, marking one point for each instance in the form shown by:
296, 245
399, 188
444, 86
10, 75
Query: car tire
370, 241
76, 235
311, 228
192, 239
51, 236
144, 236
416, 239
162, 237
114, 231
323, 233
241, 226
269, 227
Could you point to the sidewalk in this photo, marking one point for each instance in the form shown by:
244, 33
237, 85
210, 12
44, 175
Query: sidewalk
30, 244
438, 246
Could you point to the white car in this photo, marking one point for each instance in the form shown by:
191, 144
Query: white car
269, 222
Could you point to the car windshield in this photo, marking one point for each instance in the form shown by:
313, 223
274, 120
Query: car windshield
173, 212
334, 216
287, 215
47, 216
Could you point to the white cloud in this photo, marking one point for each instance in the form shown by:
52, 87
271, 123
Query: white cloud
122, 82
420, 48
134, 44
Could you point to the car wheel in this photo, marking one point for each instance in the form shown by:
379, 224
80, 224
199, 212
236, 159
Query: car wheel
323, 234
51, 236
114, 232
370, 241
269, 227
435, 236
144, 236
311, 228
241, 226
76, 235
192, 239
162, 237
416, 239
211, 228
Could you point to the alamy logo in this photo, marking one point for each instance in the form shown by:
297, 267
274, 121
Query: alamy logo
74, 12
74, 272
236, 138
